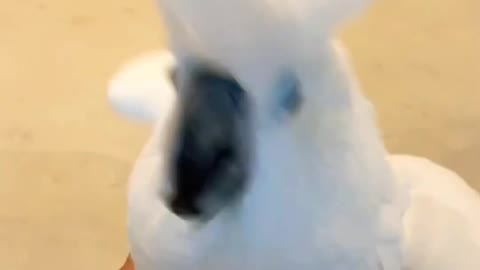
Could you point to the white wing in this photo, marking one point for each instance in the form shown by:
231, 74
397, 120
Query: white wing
442, 224
142, 89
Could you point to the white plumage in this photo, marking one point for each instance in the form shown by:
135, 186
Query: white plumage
442, 224
324, 194
134, 92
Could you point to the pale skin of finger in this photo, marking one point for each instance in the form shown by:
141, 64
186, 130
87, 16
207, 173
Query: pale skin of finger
128, 265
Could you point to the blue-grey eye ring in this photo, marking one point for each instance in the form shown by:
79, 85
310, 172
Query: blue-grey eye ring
287, 96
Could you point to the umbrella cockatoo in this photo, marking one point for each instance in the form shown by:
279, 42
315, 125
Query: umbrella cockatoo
265, 154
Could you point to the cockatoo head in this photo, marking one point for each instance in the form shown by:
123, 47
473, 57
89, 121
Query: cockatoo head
215, 137
248, 72
247, 94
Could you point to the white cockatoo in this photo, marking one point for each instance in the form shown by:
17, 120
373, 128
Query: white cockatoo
266, 156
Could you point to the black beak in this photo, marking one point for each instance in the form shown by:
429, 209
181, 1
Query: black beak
210, 163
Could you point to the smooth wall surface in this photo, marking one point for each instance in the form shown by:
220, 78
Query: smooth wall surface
65, 156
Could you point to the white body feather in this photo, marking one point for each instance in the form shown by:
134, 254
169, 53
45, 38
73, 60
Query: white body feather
442, 224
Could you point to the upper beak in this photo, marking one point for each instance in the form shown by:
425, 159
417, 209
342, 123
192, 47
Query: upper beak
210, 163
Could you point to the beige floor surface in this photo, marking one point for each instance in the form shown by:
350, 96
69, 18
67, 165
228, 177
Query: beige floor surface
64, 155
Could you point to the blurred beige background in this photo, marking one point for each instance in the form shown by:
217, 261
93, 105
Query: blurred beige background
65, 157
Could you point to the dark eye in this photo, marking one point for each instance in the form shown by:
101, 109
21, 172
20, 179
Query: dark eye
288, 95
